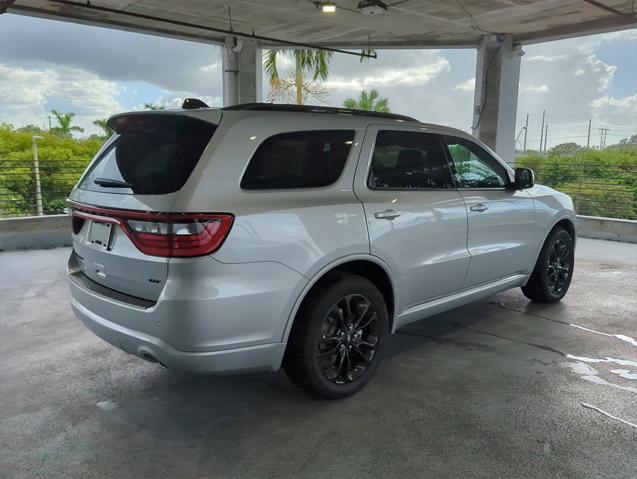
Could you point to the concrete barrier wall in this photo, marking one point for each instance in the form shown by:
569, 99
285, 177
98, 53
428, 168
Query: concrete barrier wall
55, 230
35, 232
613, 229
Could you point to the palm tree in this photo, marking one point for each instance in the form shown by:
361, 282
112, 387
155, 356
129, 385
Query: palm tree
370, 101
154, 107
316, 63
65, 126
102, 124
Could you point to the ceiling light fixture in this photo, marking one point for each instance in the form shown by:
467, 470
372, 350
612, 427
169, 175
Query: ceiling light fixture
326, 7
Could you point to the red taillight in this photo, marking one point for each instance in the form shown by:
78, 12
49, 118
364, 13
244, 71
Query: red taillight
166, 234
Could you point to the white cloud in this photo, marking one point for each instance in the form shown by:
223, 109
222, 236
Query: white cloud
534, 88
609, 106
590, 43
174, 99
393, 77
212, 68
603, 71
546, 58
27, 95
467, 85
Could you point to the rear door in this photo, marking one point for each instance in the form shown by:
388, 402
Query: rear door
502, 233
141, 169
416, 218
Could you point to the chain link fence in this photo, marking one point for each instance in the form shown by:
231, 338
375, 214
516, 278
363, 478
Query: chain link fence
597, 188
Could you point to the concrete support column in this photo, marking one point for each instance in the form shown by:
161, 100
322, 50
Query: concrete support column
496, 94
241, 71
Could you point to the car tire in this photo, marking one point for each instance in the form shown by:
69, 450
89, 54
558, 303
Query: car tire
553, 271
337, 338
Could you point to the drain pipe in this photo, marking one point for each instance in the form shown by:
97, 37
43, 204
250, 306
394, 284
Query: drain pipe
231, 70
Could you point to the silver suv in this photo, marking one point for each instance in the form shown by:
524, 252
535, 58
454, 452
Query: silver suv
260, 236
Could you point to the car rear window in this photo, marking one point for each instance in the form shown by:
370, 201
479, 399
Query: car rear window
151, 155
302, 159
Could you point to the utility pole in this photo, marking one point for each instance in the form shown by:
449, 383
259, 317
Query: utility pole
546, 134
36, 174
49, 117
542, 129
603, 132
526, 129
588, 140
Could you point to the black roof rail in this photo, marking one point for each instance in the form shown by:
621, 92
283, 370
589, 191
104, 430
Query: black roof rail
316, 109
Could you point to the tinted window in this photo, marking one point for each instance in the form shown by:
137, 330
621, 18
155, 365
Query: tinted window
303, 159
473, 166
404, 159
154, 154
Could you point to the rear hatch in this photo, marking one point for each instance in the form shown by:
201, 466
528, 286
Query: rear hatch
123, 231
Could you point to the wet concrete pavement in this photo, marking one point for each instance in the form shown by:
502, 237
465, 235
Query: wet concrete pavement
500, 388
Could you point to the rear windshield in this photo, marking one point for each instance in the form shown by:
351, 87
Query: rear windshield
301, 159
151, 155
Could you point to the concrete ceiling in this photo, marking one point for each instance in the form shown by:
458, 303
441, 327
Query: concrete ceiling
411, 23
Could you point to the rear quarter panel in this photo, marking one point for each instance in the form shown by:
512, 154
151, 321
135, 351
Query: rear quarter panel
304, 229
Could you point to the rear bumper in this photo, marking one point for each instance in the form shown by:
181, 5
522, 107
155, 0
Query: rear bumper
266, 357
210, 317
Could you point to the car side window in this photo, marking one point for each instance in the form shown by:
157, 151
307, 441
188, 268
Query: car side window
301, 159
473, 166
409, 160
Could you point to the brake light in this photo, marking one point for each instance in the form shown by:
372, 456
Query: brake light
165, 234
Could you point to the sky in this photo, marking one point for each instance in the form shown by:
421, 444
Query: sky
96, 72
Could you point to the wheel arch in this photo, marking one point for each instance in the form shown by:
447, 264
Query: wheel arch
565, 222
568, 224
367, 266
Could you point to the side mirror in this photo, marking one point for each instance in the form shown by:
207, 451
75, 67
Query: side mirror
524, 178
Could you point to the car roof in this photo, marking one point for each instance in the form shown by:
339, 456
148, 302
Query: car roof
316, 109
363, 115
213, 114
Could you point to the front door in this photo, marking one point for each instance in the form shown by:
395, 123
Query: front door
502, 232
416, 218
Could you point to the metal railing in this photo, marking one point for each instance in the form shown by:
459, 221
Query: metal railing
597, 189
19, 185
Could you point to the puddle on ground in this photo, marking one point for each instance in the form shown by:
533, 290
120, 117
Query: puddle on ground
621, 362
621, 337
107, 405
625, 373
590, 374
607, 414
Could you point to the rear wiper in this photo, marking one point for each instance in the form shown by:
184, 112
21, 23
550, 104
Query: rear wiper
108, 183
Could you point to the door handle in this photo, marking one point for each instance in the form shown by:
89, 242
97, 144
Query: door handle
387, 215
479, 207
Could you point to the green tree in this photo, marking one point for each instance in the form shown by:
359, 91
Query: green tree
632, 140
102, 123
65, 126
30, 128
601, 183
154, 106
565, 149
315, 63
62, 161
370, 101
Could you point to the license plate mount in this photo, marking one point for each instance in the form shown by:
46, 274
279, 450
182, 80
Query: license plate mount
99, 235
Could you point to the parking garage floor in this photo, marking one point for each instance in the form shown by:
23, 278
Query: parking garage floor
500, 388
